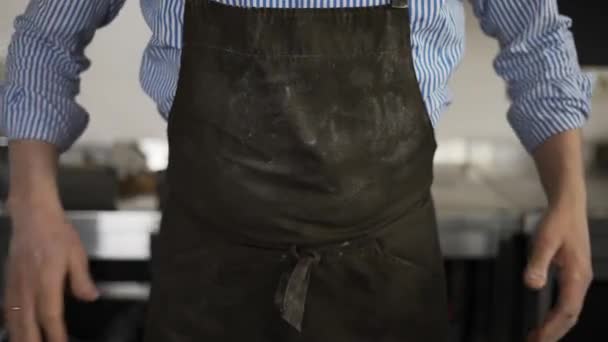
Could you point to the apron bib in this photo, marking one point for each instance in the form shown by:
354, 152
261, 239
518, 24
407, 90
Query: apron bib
300, 167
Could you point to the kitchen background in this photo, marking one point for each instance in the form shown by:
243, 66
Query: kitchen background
120, 110
487, 194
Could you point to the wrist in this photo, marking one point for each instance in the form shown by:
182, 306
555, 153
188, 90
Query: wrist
574, 197
570, 206
24, 205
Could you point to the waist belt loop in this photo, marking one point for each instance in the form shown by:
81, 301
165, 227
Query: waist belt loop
399, 3
293, 288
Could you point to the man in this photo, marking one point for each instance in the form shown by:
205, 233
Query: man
301, 149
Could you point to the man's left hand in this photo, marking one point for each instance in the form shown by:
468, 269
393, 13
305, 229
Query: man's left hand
562, 240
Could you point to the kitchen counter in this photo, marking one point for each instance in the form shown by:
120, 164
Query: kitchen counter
482, 192
125, 235
473, 216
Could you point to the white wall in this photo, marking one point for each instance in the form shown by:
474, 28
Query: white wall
111, 92
110, 89
480, 104
120, 110
8, 10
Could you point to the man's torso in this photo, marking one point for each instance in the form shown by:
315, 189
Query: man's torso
436, 32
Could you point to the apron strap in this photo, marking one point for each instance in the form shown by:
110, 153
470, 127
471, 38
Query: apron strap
290, 297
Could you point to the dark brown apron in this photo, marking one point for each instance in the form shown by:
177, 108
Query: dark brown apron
299, 204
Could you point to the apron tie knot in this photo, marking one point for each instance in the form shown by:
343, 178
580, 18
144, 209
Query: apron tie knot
293, 287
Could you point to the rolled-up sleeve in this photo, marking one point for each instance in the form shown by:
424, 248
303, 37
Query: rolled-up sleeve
44, 62
538, 60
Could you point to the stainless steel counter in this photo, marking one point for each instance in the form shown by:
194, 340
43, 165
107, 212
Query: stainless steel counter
482, 191
118, 235
125, 235
473, 216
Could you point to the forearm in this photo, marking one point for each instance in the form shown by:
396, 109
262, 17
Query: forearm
45, 254
33, 171
560, 166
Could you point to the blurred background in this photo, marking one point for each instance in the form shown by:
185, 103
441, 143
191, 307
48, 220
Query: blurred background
487, 193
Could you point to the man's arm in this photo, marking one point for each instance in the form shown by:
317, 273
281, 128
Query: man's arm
562, 237
44, 61
537, 59
42, 119
550, 102
44, 248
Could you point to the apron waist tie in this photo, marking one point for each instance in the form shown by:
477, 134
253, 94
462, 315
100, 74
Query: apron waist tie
290, 297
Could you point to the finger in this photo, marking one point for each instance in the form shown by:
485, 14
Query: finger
50, 304
19, 307
22, 325
573, 286
81, 283
545, 248
545, 333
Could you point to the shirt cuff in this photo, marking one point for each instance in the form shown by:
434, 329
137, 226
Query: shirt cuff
533, 129
550, 108
34, 117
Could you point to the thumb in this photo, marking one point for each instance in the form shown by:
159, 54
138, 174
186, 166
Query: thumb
545, 248
81, 283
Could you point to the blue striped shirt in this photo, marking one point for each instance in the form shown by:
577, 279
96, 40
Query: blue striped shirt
537, 59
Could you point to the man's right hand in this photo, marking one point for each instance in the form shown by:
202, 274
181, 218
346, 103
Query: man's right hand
45, 253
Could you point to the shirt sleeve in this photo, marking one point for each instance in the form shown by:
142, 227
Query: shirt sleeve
44, 62
538, 60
